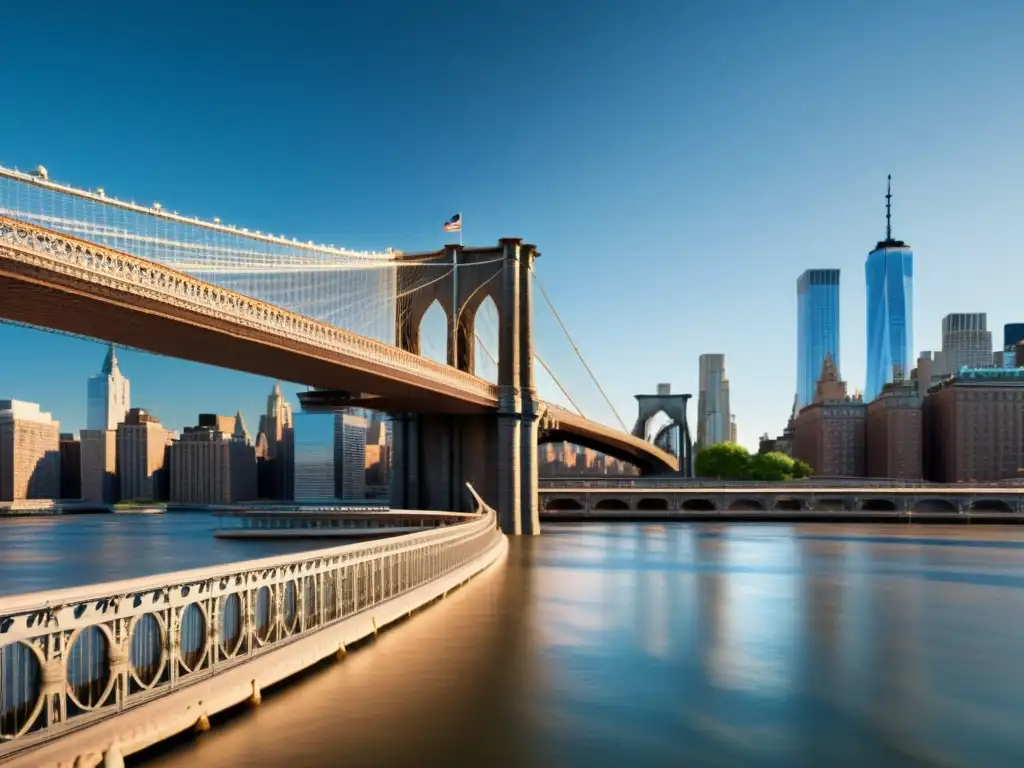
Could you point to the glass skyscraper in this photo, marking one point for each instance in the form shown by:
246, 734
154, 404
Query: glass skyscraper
817, 328
890, 298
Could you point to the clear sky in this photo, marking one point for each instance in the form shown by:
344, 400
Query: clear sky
677, 163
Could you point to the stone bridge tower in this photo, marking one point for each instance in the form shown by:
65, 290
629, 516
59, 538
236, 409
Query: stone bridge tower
674, 407
435, 455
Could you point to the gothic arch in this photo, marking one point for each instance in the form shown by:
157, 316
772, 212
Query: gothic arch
432, 327
483, 335
427, 278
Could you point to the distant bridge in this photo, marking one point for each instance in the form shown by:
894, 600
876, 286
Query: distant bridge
633, 498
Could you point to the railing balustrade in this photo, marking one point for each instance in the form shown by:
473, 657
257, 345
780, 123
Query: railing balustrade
75, 656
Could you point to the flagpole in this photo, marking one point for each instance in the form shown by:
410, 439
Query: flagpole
455, 300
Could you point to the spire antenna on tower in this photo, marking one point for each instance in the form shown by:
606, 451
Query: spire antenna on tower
888, 210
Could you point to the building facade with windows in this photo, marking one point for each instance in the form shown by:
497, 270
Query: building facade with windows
889, 274
817, 328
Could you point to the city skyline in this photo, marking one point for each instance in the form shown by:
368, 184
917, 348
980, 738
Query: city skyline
611, 220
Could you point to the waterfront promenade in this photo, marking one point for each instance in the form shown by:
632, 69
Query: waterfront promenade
679, 644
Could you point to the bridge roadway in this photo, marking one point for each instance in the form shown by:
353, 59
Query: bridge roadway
625, 498
55, 281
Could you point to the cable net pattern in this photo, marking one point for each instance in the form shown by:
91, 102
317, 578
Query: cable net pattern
352, 290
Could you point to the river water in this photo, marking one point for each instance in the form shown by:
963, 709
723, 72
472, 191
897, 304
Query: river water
677, 645
40, 552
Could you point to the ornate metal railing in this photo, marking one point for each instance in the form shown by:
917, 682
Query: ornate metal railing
75, 656
121, 271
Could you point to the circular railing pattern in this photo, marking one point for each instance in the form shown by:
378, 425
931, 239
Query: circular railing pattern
192, 637
100, 652
88, 670
230, 624
146, 655
263, 610
291, 607
21, 681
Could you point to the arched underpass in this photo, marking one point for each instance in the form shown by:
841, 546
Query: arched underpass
746, 505
992, 505
698, 505
652, 505
563, 505
936, 507
829, 505
878, 505
606, 505
789, 505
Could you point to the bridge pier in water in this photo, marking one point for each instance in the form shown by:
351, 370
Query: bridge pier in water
435, 455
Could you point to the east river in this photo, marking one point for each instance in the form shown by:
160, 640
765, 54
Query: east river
673, 645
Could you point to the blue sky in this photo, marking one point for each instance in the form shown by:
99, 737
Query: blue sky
677, 163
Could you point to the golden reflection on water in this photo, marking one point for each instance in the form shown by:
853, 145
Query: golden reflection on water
703, 645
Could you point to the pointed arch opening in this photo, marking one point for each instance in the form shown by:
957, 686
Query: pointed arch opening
433, 333
485, 341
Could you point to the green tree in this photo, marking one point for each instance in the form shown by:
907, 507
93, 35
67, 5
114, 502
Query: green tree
771, 467
727, 461
801, 469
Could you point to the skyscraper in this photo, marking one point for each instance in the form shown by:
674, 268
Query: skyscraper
142, 448
713, 416
1006, 357
890, 302
966, 340
109, 395
817, 328
29, 452
349, 456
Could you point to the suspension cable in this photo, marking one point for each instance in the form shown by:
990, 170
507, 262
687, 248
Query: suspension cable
485, 349
540, 360
558, 384
576, 349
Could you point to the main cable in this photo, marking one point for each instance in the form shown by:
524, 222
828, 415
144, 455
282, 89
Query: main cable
576, 349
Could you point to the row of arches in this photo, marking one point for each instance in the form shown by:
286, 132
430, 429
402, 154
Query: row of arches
482, 321
780, 504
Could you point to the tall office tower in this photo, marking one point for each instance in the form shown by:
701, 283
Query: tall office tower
349, 456
378, 454
276, 425
1013, 334
890, 300
29, 452
817, 328
733, 433
713, 416
210, 466
142, 448
313, 457
70, 467
966, 340
99, 466
277, 418
109, 395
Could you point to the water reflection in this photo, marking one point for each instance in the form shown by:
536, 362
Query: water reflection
679, 645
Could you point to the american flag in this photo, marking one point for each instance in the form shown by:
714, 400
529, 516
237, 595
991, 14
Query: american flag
454, 224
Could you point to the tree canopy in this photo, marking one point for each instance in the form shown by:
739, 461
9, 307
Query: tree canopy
729, 461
